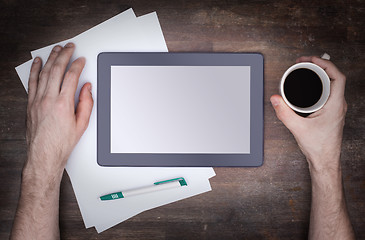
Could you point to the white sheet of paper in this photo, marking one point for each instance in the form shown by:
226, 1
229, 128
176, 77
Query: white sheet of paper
23, 71
122, 18
89, 180
196, 185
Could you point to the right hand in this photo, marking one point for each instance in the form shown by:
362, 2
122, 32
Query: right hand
319, 135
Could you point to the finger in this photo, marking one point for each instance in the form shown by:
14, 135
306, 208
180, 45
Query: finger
43, 76
304, 59
328, 66
72, 76
338, 78
58, 69
33, 79
290, 119
84, 108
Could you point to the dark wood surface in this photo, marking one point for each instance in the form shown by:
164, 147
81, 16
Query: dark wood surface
270, 202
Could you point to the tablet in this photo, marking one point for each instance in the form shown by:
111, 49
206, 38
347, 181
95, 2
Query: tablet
180, 109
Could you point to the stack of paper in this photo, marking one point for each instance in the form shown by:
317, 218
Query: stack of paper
122, 33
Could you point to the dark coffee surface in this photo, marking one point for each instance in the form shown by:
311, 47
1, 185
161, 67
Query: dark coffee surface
303, 88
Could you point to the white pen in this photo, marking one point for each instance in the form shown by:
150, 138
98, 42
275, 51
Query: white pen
157, 186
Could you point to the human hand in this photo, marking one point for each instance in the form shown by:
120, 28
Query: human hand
319, 135
53, 125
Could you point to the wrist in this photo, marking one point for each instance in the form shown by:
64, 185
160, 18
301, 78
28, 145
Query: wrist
39, 181
41, 172
325, 171
327, 162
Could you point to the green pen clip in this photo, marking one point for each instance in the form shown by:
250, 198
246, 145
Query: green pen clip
180, 179
112, 196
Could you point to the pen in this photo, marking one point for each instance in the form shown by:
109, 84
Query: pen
157, 186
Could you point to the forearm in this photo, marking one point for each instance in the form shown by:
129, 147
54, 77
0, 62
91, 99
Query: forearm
54, 126
329, 217
38, 208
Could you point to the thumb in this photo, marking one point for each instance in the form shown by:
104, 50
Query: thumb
84, 108
284, 112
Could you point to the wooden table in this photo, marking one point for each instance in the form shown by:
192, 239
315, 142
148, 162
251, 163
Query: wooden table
270, 202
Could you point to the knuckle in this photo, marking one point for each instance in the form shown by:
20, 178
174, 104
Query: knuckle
42, 74
46, 103
54, 53
60, 106
71, 75
65, 99
56, 68
63, 106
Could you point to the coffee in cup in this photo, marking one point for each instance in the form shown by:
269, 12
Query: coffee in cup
305, 87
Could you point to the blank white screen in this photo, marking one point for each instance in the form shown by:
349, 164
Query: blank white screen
180, 109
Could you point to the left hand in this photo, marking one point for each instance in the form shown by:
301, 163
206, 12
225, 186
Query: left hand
53, 125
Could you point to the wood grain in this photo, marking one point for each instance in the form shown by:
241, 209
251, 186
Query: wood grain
270, 202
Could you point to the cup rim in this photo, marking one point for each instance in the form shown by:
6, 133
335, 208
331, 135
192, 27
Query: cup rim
325, 83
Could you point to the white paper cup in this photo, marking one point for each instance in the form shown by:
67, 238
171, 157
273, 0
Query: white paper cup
325, 87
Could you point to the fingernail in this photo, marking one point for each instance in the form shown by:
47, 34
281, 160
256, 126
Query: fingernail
89, 88
36, 60
69, 45
274, 102
57, 48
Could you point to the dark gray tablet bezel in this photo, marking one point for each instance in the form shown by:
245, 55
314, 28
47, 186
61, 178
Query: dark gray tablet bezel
108, 59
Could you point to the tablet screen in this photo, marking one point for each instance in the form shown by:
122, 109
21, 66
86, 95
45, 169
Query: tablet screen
180, 109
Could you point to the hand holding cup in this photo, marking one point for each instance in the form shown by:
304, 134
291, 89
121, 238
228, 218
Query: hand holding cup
319, 135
